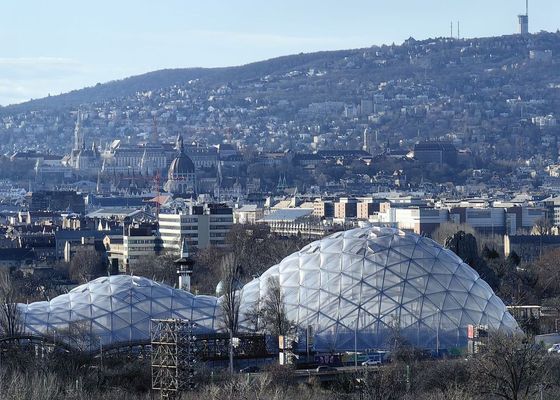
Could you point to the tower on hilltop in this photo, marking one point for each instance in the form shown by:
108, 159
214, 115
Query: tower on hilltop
524, 20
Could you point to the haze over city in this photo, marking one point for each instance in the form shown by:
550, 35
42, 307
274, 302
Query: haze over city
54, 47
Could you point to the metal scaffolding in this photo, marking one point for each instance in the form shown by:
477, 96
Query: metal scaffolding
173, 356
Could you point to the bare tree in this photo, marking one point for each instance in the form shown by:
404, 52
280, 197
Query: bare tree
542, 227
510, 367
206, 274
257, 249
159, 268
230, 299
87, 264
547, 273
79, 336
385, 384
10, 316
274, 310
255, 316
453, 393
448, 229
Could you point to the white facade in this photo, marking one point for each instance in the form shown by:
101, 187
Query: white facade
137, 248
200, 228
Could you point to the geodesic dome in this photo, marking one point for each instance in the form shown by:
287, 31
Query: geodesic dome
360, 287
354, 288
118, 309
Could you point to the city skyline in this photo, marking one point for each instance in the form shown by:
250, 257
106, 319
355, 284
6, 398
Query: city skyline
51, 49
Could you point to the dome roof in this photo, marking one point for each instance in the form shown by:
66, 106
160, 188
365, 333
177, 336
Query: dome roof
182, 164
378, 281
118, 309
363, 284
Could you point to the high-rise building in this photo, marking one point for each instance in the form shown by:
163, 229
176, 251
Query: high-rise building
200, 225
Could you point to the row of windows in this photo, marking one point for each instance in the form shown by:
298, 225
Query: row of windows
174, 225
136, 249
221, 219
177, 246
175, 232
222, 227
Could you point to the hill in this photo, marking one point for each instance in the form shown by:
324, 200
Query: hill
374, 64
156, 80
468, 90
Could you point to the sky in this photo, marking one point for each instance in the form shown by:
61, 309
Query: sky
54, 46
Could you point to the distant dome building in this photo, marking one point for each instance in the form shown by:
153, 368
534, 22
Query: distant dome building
181, 178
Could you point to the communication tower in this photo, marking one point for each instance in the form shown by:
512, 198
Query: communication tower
524, 20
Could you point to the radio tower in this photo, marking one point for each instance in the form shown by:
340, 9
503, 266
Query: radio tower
524, 20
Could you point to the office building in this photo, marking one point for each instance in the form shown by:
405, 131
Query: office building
200, 225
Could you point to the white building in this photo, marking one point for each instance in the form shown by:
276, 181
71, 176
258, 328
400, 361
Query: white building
200, 225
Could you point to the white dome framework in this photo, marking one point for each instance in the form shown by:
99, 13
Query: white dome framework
368, 284
118, 309
364, 284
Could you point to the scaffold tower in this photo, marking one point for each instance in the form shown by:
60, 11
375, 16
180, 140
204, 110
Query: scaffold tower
173, 356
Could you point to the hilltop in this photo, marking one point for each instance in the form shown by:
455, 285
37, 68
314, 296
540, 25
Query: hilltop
374, 64
166, 78
475, 92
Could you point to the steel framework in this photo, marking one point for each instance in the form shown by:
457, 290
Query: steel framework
173, 356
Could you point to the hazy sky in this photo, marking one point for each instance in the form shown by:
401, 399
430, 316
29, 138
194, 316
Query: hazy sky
53, 46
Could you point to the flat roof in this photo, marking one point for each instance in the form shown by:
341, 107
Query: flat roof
287, 214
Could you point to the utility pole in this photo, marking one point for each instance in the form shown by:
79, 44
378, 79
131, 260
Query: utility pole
356, 345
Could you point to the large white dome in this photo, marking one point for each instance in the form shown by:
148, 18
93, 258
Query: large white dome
377, 281
364, 283
118, 309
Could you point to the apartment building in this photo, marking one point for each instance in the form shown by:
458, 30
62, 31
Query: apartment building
136, 243
200, 225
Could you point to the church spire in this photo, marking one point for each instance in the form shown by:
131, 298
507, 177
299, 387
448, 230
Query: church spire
78, 134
